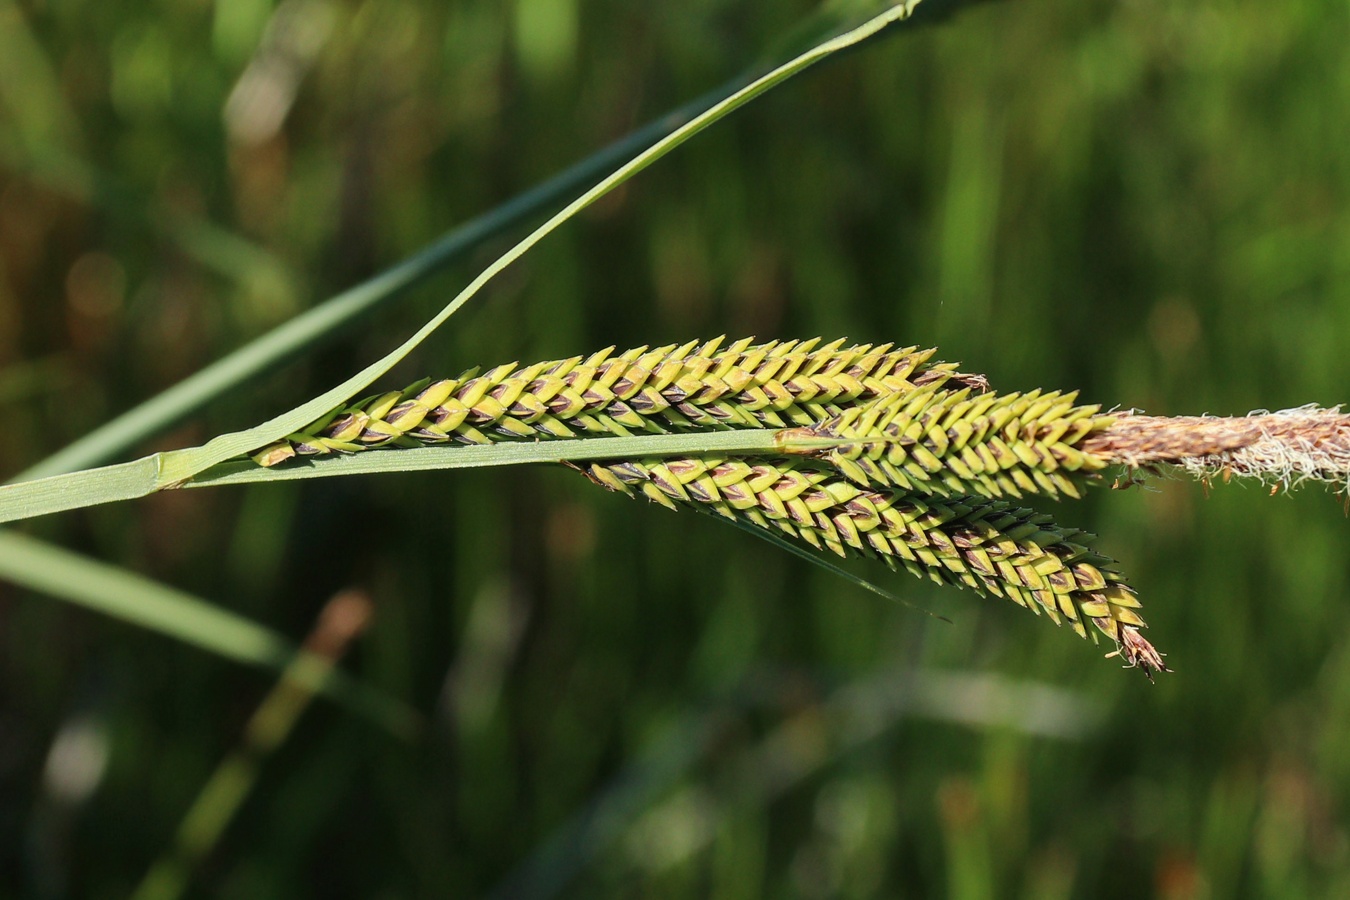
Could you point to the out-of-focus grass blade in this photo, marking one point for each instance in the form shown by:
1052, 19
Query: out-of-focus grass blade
217, 249
35, 378
29, 89
342, 619
137, 600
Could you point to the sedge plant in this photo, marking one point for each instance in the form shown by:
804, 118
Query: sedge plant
867, 450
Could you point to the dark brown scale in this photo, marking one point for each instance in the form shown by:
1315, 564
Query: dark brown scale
558, 405
665, 484
737, 493
340, 423
628, 472
941, 542
712, 392
697, 491
815, 497
634, 379
682, 467
479, 416
929, 377
913, 537
1061, 579
966, 540
975, 562
643, 403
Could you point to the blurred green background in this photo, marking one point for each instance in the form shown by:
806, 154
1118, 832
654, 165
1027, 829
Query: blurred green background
1149, 201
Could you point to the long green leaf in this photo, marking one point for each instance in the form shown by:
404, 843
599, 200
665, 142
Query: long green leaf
77, 490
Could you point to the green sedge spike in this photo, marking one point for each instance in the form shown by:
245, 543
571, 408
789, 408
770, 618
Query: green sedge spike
674, 388
952, 443
987, 545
